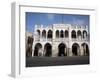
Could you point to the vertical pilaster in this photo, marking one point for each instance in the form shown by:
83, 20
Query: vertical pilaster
59, 33
67, 51
70, 40
32, 52
53, 32
40, 35
70, 52
33, 49
82, 53
46, 35
69, 34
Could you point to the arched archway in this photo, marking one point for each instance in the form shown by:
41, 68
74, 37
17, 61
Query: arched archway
75, 49
61, 34
62, 49
84, 33
49, 34
48, 49
85, 48
66, 33
73, 34
38, 46
44, 33
57, 34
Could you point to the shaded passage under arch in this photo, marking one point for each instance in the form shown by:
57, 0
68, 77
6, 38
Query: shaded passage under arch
37, 49
75, 49
48, 49
85, 48
62, 49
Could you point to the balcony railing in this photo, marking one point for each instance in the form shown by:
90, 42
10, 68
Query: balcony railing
62, 39
80, 39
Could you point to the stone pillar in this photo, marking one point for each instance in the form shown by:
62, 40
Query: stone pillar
57, 50
40, 35
46, 35
85, 49
64, 33
81, 34
82, 52
69, 34
33, 50
59, 34
69, 43
44, 52
54, 50
41, 52
78, 51
67, 51
53, 33
70, 52
76, 36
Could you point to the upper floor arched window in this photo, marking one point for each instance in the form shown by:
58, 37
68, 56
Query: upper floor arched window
57, 34
62, 34
73, 34
49, 34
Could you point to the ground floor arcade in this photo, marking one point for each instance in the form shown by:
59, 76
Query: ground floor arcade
60, 49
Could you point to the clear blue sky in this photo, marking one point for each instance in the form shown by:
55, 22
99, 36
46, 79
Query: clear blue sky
51, 18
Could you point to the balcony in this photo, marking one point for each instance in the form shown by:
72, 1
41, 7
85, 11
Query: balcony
80, 39
61, 39
43, 39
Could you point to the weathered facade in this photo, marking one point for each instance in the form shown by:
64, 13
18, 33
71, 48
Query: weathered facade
60, 40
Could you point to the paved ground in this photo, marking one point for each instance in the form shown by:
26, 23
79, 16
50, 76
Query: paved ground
54, 61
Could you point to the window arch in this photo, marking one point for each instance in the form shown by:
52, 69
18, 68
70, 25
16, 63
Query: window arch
62, 34
84, 33
44, 33
79, 34
57, 34
49, 34
38, 31
73, 34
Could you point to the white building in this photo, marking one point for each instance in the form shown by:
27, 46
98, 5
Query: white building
60, 40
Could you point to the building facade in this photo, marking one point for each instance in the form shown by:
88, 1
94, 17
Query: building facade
60, 40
